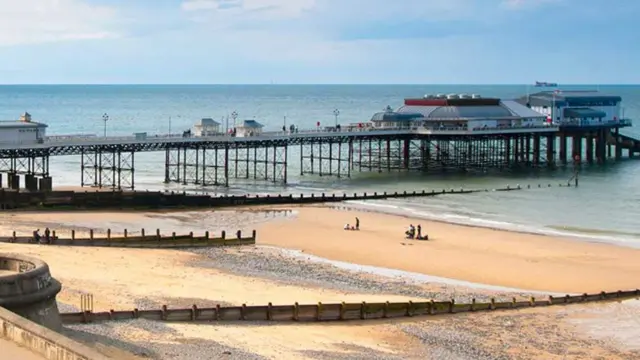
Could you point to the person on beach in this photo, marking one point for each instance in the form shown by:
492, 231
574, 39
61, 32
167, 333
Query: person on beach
346, 227
357, 223
411, 232
47, 233
36, 236
419, 237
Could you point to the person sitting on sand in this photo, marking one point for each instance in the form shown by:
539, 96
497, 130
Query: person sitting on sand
411, 232
346, 226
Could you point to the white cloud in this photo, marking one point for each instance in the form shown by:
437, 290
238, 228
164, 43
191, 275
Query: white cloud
267, 9
525, 4
38, 21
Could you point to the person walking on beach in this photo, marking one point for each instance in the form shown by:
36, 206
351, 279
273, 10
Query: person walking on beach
357, 223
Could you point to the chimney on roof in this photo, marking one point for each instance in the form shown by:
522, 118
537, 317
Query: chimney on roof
26, 117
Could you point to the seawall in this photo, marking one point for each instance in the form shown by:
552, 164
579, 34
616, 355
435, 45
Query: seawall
27, 289
43, 341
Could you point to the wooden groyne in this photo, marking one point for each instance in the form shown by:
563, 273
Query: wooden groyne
333, 312
75, 200
155, 241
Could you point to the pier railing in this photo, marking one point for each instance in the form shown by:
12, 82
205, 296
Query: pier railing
265, 135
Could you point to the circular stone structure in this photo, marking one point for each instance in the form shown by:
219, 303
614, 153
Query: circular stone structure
27, 289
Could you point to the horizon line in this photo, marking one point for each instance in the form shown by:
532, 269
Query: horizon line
316, 84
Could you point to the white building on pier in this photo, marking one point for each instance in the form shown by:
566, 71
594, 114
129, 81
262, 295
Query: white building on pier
206, 127
23, 131
576, 107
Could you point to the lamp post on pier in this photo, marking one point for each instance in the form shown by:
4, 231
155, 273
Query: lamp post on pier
169, 125
105, 118
234, 116
336, 113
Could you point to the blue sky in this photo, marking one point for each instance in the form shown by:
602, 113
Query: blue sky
319, 41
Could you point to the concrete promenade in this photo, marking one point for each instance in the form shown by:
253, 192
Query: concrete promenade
11, 350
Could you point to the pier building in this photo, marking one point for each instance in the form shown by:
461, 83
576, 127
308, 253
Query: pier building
455, 132
584, 117
460, 111
22, 131
206, 127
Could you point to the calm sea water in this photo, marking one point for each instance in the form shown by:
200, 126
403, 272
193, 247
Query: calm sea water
605, 207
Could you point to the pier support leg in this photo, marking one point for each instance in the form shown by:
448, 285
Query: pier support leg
507, 151
601, 139
551, 142
563, 149
536, 150
405, 153
576, 146
527, 142
618, 141
589, 147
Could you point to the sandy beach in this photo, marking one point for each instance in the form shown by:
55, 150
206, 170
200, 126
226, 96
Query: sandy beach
271, 272
481, 255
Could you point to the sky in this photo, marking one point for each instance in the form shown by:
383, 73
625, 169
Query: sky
319, 41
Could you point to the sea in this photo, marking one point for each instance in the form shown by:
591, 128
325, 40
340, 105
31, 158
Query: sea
604, 208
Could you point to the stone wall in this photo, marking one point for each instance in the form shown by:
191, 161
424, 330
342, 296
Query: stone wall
29, 290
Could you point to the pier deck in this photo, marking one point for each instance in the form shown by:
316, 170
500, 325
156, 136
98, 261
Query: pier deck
108, 162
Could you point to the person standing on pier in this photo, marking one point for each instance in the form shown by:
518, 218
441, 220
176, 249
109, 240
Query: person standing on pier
357, 223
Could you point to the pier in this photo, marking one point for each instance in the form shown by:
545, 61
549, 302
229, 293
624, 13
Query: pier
433, 134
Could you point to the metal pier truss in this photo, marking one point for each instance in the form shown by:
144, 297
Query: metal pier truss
214, 166
107, 168
216, 161
36, 164
254, 162
327, 157
197, 165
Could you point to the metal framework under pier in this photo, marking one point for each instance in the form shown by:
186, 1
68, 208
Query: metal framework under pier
37, 165
340, 157
330, 157
209, 166
107, 168
266, 162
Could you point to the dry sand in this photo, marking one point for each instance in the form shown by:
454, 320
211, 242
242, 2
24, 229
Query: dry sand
516, 260
127, 278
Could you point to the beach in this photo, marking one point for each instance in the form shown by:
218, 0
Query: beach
479, 255
292, 261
